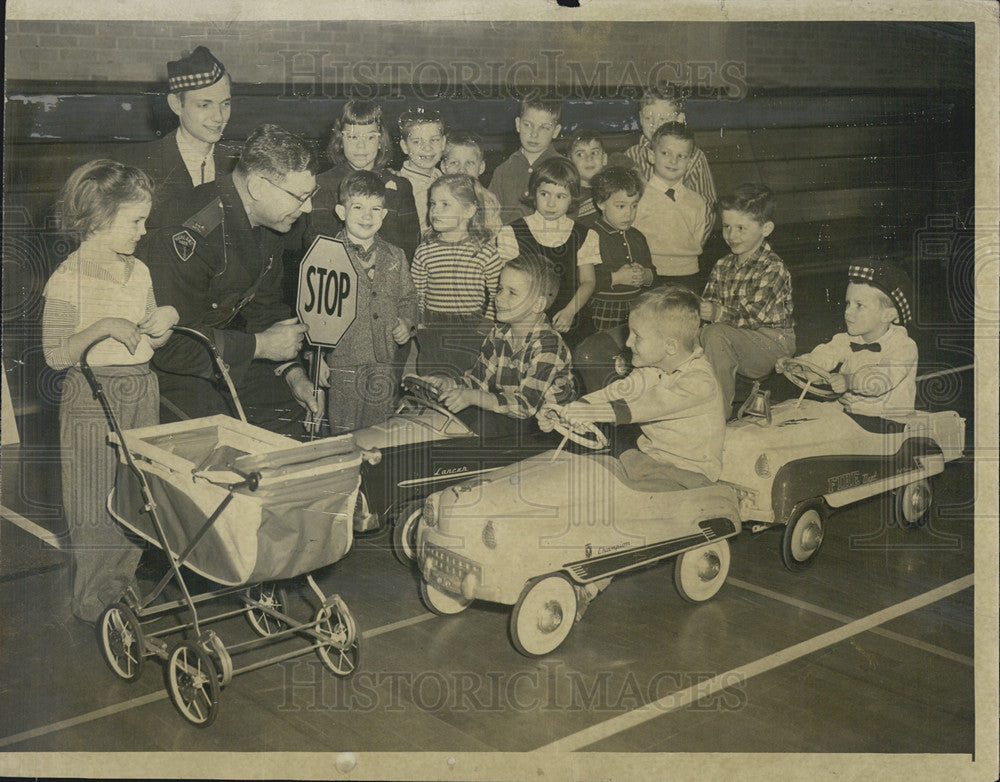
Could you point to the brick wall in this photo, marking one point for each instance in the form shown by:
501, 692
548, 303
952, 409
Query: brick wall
325, 54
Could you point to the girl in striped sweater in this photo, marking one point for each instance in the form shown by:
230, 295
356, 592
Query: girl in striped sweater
456, 269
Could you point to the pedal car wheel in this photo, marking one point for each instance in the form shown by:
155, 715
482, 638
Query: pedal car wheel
404, 533
342, 652
803, 536
441, 602
193, 684
912, 505
272, 596
122, 642
701, 572
543, 616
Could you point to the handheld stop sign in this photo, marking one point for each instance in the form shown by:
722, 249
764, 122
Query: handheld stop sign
327, 300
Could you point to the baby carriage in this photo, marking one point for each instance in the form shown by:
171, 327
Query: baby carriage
246, 509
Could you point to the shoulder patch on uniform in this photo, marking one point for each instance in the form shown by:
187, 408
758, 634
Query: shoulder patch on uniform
184, 244
207, 219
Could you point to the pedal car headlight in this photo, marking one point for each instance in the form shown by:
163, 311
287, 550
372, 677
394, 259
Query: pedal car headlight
761, 466
489, 535
429, 516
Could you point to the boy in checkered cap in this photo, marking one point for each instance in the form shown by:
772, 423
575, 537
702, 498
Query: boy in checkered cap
748, 299
874, 363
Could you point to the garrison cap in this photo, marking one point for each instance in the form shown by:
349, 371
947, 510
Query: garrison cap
887, 278
199, 69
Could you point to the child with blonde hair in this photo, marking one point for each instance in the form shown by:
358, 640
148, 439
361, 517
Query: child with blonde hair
102, 295
456, 270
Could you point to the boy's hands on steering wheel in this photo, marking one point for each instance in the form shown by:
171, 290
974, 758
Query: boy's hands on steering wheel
548, 416
441, 382
839, 383
574, 415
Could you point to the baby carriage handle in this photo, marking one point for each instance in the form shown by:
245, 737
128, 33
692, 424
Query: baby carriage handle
217, 358
188, 332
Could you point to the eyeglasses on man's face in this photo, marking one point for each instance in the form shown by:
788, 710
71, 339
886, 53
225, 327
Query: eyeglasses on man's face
302, 199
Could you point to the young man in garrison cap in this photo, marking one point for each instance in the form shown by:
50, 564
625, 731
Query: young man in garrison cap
199, 94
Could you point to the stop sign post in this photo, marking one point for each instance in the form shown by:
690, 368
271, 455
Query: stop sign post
327, 300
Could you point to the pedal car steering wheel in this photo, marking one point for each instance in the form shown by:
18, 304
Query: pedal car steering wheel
429, 395
587, 435
800, 373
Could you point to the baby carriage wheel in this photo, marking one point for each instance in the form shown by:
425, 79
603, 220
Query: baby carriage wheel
272, 596
193, 684
122, 642
343, 650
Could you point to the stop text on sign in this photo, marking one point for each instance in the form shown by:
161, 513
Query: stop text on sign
326, 290
327, 299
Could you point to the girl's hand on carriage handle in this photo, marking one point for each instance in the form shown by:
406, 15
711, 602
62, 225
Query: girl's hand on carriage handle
159, 322
125, 331
779, 365
281, 341
303, 390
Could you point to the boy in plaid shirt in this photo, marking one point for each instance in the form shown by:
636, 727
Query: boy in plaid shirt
522, 364
748, 299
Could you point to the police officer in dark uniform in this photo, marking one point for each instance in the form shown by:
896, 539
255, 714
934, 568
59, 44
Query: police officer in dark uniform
218, 261
199, 94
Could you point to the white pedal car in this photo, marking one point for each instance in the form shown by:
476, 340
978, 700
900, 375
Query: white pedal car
792, 463
526, 534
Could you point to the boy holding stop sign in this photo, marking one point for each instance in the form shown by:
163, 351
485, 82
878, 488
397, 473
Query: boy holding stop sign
366, 365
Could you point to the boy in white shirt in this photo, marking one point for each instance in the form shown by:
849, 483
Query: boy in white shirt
673, 218
874, 363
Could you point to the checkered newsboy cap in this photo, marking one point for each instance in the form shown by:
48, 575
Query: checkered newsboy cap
887, 278
199, 69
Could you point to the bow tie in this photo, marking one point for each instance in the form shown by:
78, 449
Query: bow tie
670, 194
874, 347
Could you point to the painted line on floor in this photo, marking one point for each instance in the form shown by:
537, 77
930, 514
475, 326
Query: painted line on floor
90, 716
47, 537
135, 703
682, 698
30, 527
413, 620
820, 611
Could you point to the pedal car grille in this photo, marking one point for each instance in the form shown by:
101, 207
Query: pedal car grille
447, 570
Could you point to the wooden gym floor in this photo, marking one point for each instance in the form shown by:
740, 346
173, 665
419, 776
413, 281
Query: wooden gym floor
868, 651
